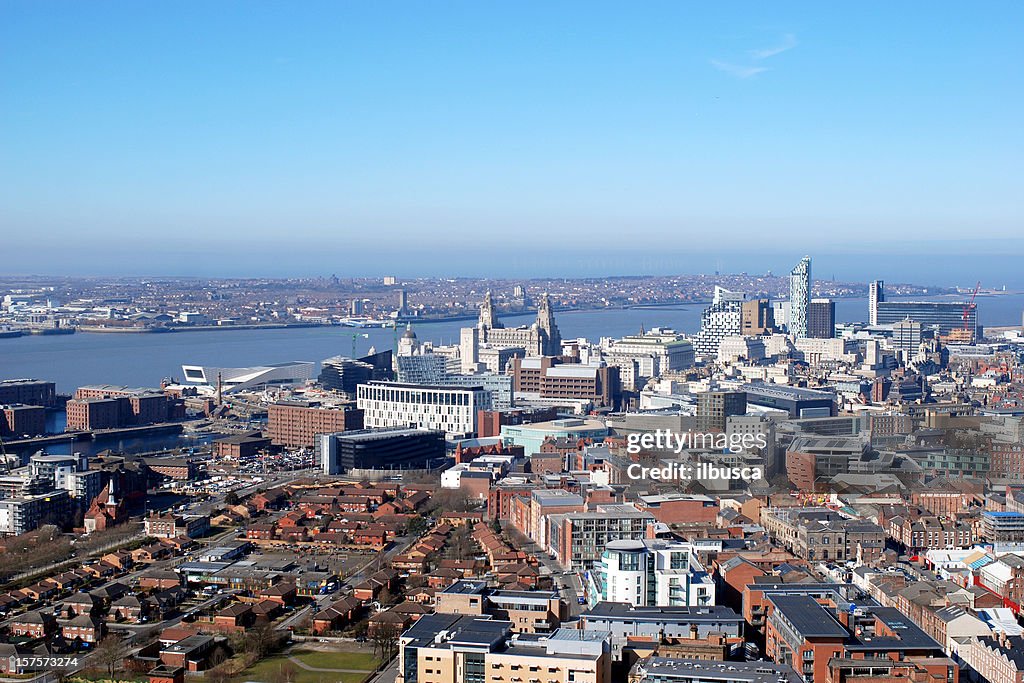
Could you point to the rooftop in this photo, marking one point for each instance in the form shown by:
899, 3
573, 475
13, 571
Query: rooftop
663, 668
808, 617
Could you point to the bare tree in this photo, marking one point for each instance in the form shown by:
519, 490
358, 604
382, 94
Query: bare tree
286, 673
219, 674
110, 653
385, 640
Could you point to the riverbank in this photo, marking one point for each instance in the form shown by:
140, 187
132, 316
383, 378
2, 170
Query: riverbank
146, 359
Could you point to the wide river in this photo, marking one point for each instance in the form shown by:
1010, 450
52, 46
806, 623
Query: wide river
144, 359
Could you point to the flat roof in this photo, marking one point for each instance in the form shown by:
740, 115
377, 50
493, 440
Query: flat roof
626, 611
466, 588
808, 616
705, 670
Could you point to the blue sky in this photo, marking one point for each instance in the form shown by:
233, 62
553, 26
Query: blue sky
311, 137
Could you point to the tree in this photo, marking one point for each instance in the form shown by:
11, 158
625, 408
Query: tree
232, 498
286, 673
385, 596
219, 674
417, 526
258, 641
385, 640
360, 628
110, 653
264, 640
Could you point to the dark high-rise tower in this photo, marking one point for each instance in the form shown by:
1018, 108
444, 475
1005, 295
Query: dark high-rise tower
821, 319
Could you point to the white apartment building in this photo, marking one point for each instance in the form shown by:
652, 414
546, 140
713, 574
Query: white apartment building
723, 318
654, 572
450, 409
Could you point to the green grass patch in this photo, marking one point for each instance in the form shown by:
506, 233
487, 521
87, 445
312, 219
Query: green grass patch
364, 661
268, 670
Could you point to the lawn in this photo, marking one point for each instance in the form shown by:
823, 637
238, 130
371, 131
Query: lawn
363, 661
268, 670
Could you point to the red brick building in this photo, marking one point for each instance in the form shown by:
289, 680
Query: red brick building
22, 419
297, 424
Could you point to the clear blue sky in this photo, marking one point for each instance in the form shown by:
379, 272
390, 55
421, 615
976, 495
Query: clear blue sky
270, 138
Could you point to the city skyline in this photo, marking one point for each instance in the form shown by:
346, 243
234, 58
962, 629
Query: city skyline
267, 140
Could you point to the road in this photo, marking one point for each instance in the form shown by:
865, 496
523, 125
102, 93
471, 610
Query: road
570, 586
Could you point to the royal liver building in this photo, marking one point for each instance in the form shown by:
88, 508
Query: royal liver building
539, 339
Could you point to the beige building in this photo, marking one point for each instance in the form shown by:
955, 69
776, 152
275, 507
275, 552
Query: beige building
526, 611
451, 648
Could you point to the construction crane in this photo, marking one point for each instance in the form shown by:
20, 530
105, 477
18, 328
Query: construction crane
354, 338
969, 306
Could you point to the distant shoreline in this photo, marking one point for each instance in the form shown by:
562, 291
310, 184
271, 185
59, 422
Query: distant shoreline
92, 329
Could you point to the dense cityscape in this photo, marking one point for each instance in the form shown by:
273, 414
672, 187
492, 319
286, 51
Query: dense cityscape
779, 496
511, 342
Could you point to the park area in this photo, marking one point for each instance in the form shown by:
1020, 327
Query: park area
314, 663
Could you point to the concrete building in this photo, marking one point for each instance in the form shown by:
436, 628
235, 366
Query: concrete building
1002, 527
548, 378
531, 436
646, 355
817, 350
380, 449
653, 572
907, 336
450, 409
735, 348
19, 515
527, 611
821, 319
685, 670
715, 407
577, 539
799, 297
723, 318
453, 648
256, 378
876, 295
757, 318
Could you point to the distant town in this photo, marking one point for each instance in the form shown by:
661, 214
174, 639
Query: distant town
778, 497
52, 305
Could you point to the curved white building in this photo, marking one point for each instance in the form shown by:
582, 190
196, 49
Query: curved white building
654, 572
294, 373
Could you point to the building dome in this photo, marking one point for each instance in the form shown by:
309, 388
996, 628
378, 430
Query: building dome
408, 334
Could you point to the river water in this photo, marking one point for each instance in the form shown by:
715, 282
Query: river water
144, 359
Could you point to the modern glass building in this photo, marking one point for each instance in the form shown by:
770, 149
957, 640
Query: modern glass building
943, 315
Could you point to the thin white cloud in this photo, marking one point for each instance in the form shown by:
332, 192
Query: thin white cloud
788, 43
738, 70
